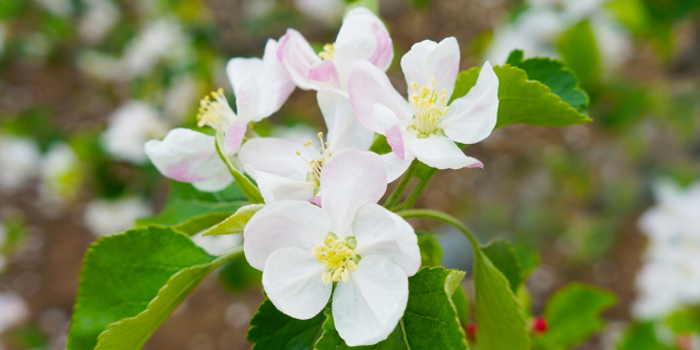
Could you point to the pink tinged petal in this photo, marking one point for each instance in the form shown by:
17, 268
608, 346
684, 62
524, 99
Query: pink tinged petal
234, 135
427, 60
297, 58
368, 86
395, 167
316, 200
386, 119
362, 36
276, 156
284, 224
293, 282
344, 129
471, 118
189, 156
378, 231
440, 152
276, 188
367, 307
248, 99
350, 180
325, 74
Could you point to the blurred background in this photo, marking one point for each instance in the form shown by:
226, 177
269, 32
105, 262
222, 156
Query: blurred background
614, 203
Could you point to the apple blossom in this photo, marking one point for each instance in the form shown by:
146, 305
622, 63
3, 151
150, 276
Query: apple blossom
105, 217
368, 251
288, 169
130, 126
261, 87
19, 162
425, 127
362, 36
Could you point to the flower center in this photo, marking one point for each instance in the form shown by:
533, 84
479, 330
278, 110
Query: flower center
338, 257
318, 157
429, 107
215, 111
328, 52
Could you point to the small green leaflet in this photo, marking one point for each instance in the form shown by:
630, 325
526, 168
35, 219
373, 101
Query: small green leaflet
122, 276
500, 322
236, 222
430, 320
573, 314
272, 330
642, 336
579, 51
503, 257
430, 250
522, 100
552, 73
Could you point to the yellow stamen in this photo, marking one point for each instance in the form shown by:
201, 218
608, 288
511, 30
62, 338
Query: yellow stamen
429, 107
338, 257
328, 52
215, 111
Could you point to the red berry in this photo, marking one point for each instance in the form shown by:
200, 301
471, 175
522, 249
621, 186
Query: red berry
471, 331
539, 325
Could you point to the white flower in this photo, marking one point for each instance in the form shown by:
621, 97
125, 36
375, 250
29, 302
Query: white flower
261, 87
303, 250
670, 277
13, 310
217, 244
130, 126
99, 18
105, 217
425, 127
181, 97
362, 36
326, 11
19, 162
290, 169
61, 174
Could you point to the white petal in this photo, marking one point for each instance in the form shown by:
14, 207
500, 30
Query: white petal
395, 166
350, 180
367, 86
277, 188
393, 129
284, 224
427, 60
362, 36
440, 152
241, 70
378, 231
276, 156
292, 279
297, 58
471, 118
367, 308
189, 156
344, 129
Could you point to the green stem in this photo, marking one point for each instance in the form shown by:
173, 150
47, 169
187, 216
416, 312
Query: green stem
247, 187
416, 192
228, 256
398, 191
440, 216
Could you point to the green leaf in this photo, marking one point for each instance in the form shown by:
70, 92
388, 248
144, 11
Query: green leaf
430, 320
191, 211
579, 52
573, 314
641, 336
503, 257
236, 222
272, 330
522, 100
552, 73
122, 275
380, 145
430, 250
529, 259
500, 321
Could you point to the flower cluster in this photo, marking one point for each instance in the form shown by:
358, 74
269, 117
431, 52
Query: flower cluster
670, 277
322, 231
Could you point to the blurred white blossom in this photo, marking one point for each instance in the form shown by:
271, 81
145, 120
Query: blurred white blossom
537, 29
13, 310
670, 277
130, 126
61, 174
180, 98
105, 217
63, 8
218, 244
99, 18
326, 11
19, 162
